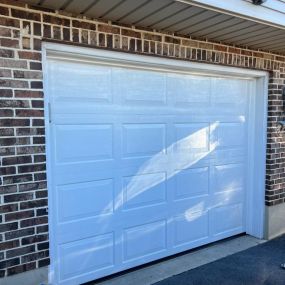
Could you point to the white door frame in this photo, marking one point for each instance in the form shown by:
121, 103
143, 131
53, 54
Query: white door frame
257, 128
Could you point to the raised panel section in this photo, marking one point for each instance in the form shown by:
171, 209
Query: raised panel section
143, 139
234, 220
144, 190
85, 199
227, 135
145, 240
229, 91
79, 143
191, 182
141, 87
190, 228
87, 255
229, 177
77, 81
186, 90
192, 137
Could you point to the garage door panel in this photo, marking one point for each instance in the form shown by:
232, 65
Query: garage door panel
144, 240
71, 173
144, 190
191, 137
96, 199
95, 83
143, 139
87, 255
229, 91
132, 88
183, 228
185, 90
228, 177
227, 135
233, 223
145, 164
191, 182
79, 143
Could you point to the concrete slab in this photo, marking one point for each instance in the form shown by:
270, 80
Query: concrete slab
159, 271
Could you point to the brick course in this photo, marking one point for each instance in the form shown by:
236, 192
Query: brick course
23, 192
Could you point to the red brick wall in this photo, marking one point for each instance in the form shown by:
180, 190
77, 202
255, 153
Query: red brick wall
23, 192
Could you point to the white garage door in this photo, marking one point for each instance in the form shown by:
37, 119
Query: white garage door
145, 164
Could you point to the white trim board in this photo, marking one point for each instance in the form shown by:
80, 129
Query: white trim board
257, 129
268, 13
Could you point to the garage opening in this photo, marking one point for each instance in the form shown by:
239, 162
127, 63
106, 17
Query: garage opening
148, 157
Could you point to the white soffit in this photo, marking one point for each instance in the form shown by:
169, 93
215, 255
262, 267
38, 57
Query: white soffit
219, 21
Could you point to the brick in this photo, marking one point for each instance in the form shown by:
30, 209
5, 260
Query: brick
6, 52
12, 63
21, 268
34, 239
40, 176
27, 74
30, 149
9, 244
36, 84
17, 179
6, 113
38, 140
108, 29
33, 204
6, 93
37, 29
5, 151
33, 222
25, 15
41, 194
13, 83
18, 197
5, 73
83, 25
42, 211
14, 103
43, 246
9, 208
28, 94
44, 262
8, 170
14, 122
12, 235
19, 215
11, 43
39, 158
29, 55
9, 263
8, 189
47, 31
42, 229
30, 131
4, 11
20, 251
29, 113
31, 168
35, 65
38, 122
9, 22
13, 160
8, 227
56, 20
32, 186
35, 256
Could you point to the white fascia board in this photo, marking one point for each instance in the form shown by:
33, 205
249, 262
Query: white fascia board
269, 13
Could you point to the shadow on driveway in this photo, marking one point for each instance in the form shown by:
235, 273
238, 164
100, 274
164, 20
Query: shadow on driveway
254, 266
